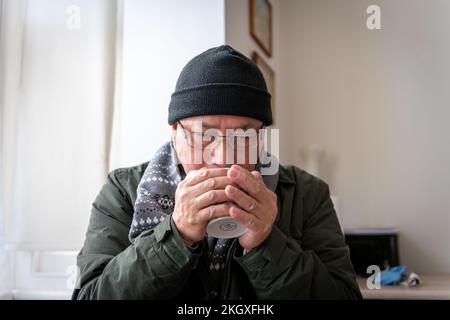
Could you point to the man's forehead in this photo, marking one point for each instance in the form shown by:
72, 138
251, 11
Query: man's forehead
223, 122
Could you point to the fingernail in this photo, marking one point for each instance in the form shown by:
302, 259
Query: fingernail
231, 189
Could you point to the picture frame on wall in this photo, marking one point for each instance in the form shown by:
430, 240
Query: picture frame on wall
260, 22
269, 77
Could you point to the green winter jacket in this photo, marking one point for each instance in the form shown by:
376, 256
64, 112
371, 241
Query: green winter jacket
304, 257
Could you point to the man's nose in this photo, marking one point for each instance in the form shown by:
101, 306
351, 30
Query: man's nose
221, 154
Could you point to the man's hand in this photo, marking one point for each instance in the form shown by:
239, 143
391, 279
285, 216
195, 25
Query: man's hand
258, 203
199, 198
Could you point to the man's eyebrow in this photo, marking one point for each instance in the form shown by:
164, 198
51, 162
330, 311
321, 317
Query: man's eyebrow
209, 126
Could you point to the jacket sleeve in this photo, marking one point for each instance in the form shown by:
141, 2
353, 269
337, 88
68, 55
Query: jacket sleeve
110, 267
315, 266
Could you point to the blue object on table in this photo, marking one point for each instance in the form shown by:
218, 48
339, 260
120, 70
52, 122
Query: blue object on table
392, 275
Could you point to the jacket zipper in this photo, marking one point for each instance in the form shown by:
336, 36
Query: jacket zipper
204, 266
226, 285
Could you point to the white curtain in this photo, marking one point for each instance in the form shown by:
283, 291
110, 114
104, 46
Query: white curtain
57, 95
11, 35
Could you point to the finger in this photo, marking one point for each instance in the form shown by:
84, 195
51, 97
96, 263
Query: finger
250, 221
214, 211
246, 181
242, 199
258, 175
203, 174
214, 183
211, 197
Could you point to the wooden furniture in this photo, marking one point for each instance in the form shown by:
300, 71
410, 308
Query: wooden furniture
433, 286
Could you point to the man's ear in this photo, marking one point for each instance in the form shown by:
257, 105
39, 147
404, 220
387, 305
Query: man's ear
174, 134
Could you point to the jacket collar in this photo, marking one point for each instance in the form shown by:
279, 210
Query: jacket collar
284, 176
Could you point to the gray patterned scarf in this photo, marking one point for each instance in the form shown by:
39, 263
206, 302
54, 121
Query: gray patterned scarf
156, 191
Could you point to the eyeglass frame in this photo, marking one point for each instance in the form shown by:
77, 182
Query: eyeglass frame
192, 145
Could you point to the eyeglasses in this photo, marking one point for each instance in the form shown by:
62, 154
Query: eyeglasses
210, 139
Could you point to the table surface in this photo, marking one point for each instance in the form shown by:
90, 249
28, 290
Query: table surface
432, 286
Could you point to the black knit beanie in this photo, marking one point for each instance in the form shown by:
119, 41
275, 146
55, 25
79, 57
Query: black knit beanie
221, 81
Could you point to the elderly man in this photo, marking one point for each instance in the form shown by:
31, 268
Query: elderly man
155, 231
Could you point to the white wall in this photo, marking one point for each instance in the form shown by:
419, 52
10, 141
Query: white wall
238, 36
375, 103
159, 38
378, 103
